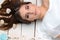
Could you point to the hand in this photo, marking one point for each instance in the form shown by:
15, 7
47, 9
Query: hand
58, 36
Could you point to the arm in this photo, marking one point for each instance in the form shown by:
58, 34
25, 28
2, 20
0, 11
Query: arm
58, 36
45, 3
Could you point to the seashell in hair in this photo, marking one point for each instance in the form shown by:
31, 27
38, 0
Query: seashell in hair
1, 22
8, 10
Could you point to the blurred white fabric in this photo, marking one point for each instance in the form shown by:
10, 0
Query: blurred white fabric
51, 21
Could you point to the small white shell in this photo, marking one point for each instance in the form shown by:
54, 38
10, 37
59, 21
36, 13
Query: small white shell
8, 10
2, 21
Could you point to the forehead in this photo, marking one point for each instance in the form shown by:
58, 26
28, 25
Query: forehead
22, 11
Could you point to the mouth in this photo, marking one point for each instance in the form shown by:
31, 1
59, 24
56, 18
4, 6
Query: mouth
35, 12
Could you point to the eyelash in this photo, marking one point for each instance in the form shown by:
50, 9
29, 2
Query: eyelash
27, 16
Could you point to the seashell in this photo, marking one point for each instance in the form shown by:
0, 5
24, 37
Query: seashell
1, 22
8, 10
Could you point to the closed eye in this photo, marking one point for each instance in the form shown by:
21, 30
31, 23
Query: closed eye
27, 7
27, 16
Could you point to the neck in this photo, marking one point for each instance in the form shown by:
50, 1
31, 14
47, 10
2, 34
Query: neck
42, 12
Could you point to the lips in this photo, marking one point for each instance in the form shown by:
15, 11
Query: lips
35, 12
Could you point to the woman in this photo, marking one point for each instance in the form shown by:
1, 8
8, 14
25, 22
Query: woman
14, 17
48, 12
26, 12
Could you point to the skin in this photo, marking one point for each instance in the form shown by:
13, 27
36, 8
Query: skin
30, 10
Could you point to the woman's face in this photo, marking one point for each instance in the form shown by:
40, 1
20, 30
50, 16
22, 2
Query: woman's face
29, 12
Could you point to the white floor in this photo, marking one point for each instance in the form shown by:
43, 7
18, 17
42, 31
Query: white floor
25, 32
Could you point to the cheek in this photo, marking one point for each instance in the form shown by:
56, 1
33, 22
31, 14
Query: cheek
32, 8
32, 17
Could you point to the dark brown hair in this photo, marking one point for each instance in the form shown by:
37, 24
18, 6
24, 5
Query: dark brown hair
15, 18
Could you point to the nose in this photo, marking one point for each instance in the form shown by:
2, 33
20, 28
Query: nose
32, 12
